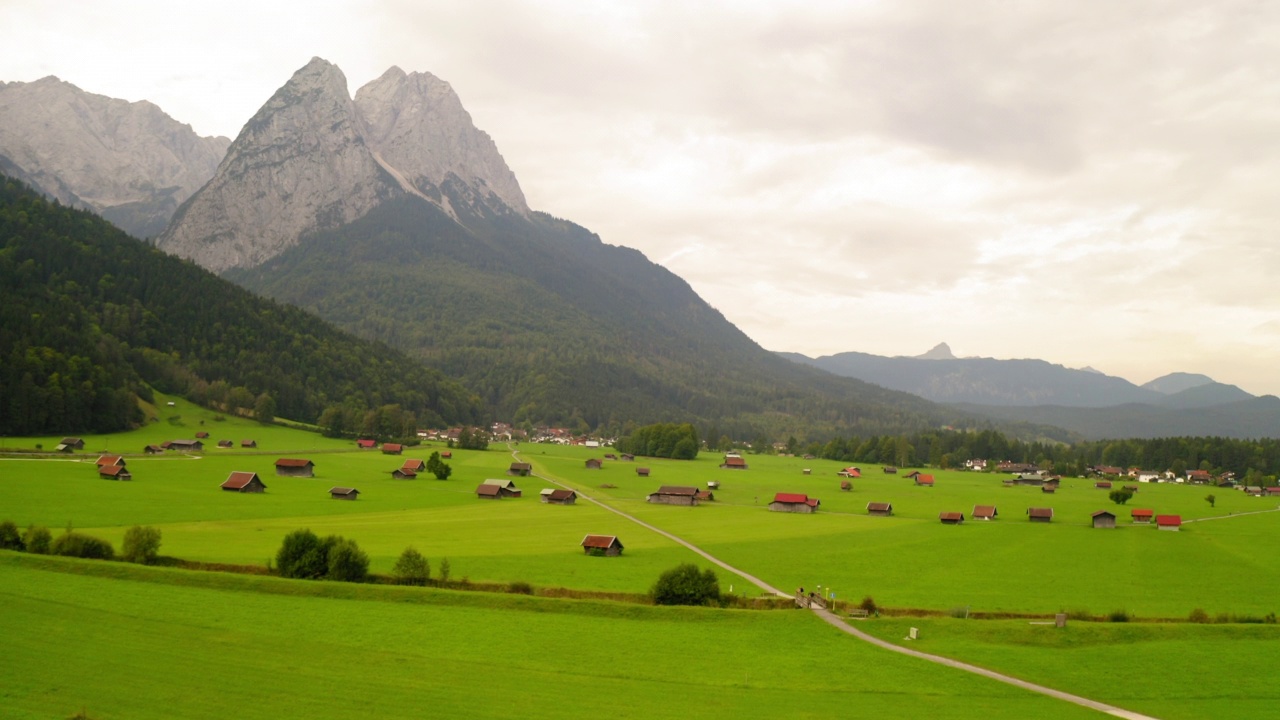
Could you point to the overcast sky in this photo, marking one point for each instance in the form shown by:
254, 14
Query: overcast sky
1091, 183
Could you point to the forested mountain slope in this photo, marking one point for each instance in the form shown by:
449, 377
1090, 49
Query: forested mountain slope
89, 316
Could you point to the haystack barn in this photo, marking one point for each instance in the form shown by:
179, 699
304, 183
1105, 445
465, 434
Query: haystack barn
1142, 515
628, 457
1271, 491
71, 443
882, 509
202, 435
1104, 519
889, 470
110, 460
1103, 485
295, 467
341, 493
114, 472
1040, 514
224, 443
415, 465
367, 444
850, 472
846, 485
392, 448
706, 496
1169, 522
1047, 488
674, 495
607, 545
153, 449
245, 482
984, 512
186, 445
1029, 478
447, 455
594, 463
559, 497
951, 518
506, 488
794, 502
488, 492
520, 469
642, 471
610, 456
733, 462
248, 443
403, 474
925, 480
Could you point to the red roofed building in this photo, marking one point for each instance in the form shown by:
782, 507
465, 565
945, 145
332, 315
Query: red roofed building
489, 492
951, 518
607, 545
404, 473
1040, 514
295, 467
926, 480
392, 449
245, 482
882, 509
1169, 522
984, 512
850, 472
1142, 515
794, 503
733, 462
366, 444
114, 472
674, 495
111, 460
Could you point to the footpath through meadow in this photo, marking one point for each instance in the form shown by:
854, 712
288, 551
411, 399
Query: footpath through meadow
840, 624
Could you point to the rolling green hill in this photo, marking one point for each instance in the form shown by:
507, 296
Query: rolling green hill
90, 318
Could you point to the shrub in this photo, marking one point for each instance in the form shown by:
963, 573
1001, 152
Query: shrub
37, 538
74, 544
686, 585
1080, 614
520, 588
302, 555
445, 569
347, 562
1198, 616
141, 545
10, 538
1120, 496
411, 568
1118, 616
869, 604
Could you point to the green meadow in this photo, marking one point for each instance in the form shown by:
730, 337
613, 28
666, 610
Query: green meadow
143, 643
400, 649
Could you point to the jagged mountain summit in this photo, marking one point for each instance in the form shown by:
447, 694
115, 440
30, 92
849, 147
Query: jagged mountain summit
313, 158
127, 161
941, 351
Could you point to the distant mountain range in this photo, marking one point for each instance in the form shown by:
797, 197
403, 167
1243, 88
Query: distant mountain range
1085, 402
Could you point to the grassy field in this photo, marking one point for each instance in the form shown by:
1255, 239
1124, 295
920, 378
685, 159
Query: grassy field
154, 643
1170, 671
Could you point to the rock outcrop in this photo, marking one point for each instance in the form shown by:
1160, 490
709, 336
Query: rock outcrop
127, 161
313, 158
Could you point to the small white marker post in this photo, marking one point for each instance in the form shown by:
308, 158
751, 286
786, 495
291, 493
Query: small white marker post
914, 634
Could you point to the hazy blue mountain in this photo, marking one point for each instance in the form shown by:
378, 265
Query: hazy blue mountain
1252, 418
1177, 382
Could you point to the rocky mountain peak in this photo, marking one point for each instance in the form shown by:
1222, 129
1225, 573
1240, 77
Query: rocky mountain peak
127, 161
941, 351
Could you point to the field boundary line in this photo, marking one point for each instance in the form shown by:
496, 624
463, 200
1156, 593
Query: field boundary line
1233, 515
832, 619
515, 455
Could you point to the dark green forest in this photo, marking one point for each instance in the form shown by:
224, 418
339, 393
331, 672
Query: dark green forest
665, 440
90, 318
550, 325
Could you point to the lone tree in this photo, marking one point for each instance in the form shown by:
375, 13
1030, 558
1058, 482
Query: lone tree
1210, 499
411, 568
302, 555
347, 562
1120, 496
686, 585
141, 545
438, 467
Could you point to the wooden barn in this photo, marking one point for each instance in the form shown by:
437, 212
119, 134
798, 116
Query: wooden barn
984, 512
248, 443
367, 444
559, 497
153, 449
846, 485
733, 462
889, 470
1169, 522
506, 488
951, 518
924, 480
881, 509
1271, 491
1035, 479
794, 503
295, 467
850, 472
186, 445
202, 435
488, 492
110, 460
642, 471
404, 473
392, 448
114, 472
225, 444
610, 456
1103, 485
674, 495
628, 457
1040, 514
706, 496
67, 444
341, 493
594, 463
1104, 519
415, 465
245, 482
447, 455
1047, 488
607, 545
520, 469
1142, 515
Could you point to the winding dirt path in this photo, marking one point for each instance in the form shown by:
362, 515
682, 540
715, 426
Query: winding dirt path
835, 621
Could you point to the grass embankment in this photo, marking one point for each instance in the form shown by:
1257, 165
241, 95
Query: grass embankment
158, 643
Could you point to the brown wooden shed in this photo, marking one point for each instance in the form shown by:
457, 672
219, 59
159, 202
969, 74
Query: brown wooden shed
1141, 515
111, 460
607, 545
951, 518
984, 512
559, 496
506, 488
341, 493
882, 509
674, 495
1040, 514
594, 463
403, 474
392, 448
295, 467
520, 469
794, 503
1104, 519
642, 471
415, 465
245, 482
114, 472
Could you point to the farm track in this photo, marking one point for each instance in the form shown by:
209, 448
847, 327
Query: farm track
835, 621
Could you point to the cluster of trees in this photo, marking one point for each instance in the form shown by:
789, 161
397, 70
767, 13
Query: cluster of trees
141, 543
388, 422
472, 439
303, 554
666, 440
441, 469
90, 316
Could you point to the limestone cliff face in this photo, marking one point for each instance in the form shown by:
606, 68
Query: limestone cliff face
300, 164
127, 161
416, 124
313, 158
